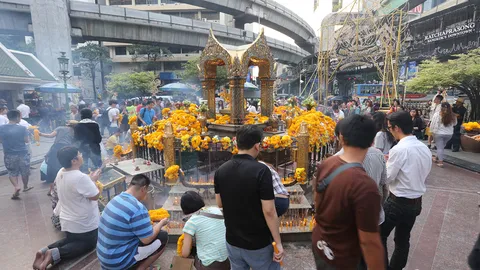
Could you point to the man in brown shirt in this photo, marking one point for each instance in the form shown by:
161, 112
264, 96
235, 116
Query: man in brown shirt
347, 211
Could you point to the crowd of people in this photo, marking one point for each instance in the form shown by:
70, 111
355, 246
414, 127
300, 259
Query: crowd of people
354, 215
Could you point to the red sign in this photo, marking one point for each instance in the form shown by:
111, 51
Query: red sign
418, 9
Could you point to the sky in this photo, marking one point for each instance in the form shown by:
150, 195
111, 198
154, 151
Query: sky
304, 8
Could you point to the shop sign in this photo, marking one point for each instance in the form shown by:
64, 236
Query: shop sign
454, 32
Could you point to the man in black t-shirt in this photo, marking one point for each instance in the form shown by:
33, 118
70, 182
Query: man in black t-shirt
244, 189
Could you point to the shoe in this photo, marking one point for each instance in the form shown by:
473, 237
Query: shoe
455, 150
434, 148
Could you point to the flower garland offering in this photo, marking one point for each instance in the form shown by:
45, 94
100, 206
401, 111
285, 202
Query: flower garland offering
185, 141
286, 141
120, 118
172, 172
220, 119
206, 142
251, 118
226, 142
165, 112
321, 128
300, 176
158, 214
309, 103
36, 136
196, 141
180, 244
471, 126
132, 119
117, 151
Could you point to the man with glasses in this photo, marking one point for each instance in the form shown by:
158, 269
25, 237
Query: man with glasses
408, 165
78, 210
126, 237
244, 189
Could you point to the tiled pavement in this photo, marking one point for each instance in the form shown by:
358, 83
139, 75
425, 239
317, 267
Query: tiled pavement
441, 238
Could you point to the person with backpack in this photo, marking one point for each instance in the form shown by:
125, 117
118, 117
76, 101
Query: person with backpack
342, 187
147, 114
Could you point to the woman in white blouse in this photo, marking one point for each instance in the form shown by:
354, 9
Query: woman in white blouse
442, 129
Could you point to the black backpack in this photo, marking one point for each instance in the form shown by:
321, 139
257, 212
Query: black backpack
104, 119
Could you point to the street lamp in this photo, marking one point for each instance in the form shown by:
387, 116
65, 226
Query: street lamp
63, 64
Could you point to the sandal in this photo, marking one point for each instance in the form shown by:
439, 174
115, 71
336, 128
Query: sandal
16, 195
440, 165
27, 189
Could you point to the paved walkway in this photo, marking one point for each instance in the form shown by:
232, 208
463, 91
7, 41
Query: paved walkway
441, 238
38, 153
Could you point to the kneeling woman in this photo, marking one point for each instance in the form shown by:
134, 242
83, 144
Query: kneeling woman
207, 226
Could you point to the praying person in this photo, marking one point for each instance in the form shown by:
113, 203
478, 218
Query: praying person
126, 237
78, 210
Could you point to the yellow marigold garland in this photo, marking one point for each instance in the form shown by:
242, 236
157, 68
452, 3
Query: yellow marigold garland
320, 127
206, 142
196, 141
180, 244
300, 175
470, 126
172, 172
132, 119
36, 136
158, 214
118, 151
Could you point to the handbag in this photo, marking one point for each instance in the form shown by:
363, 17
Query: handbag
321, 186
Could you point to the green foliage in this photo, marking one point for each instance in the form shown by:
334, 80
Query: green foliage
132, 84
89, 58
191, 73
148, 55
462, 72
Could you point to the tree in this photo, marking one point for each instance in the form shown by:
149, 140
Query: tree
462, 72
132, 84
89, 57
190, 73
150, 54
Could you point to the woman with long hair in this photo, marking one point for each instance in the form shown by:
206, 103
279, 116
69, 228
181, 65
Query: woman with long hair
442, 125
384, 140
418, 125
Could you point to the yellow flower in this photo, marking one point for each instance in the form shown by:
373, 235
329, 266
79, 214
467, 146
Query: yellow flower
132, 119
470, 126
205, 142
196, 141
185, 142
180, 244
172, 172
158, 214
286, 141
165, 111
320, 127
300, 175
226, 141
118, 151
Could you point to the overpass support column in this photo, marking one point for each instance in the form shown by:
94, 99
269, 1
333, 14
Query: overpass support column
52, 32
266, 96
208, 92
237, 111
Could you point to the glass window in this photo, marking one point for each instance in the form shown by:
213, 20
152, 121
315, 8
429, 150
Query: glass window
146, 2
120, 50
77, 71
120, 2
211, 16
189, 15
168, 2
175, 49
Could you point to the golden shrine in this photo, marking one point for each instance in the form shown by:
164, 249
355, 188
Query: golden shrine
237, 59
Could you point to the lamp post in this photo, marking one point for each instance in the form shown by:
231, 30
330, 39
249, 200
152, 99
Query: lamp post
63, 64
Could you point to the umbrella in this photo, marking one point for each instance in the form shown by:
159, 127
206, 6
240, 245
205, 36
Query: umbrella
250, 91
250, 86
176, 87
57, 88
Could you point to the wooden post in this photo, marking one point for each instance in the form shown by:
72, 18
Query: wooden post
237, 111
168, 146
266, 96
208, 92
303, 147
133, 128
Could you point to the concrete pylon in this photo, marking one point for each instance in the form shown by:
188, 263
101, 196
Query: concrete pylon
52, 32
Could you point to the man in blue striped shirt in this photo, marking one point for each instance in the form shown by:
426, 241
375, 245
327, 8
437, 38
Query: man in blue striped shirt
126, 237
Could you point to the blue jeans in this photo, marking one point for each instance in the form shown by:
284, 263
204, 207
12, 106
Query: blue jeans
244, 259
281, 205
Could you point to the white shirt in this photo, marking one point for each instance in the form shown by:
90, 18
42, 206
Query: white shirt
24, 123
338, 116
81, 102
381, 142
251, 109
437, 126
374, 165
408, 165
24, 110
77, 213
3, 120
112, 115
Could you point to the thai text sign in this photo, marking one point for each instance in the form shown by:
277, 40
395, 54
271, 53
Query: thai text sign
451, 32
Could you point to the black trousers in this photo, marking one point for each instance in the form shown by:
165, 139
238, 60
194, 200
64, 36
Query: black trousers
454, 142
400, 213
76, 244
